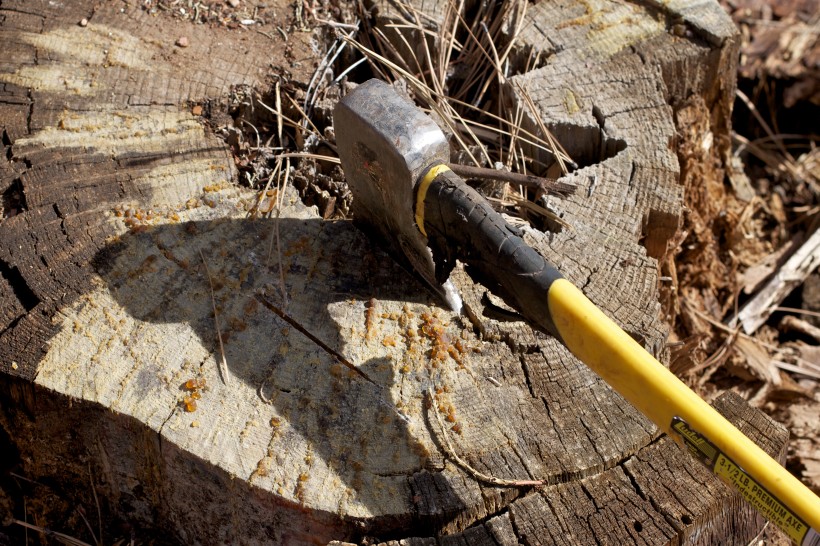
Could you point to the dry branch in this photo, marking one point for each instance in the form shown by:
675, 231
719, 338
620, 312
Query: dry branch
549, 185
805, 260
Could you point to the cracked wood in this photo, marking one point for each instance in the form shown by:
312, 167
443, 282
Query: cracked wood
105, 310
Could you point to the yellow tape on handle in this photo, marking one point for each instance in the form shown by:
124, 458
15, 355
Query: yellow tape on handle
421, 193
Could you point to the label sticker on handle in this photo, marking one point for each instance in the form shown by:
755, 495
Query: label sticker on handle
757, 495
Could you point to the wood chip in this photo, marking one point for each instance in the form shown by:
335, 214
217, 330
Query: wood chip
753, 279
757, 360
791, 323
792, 274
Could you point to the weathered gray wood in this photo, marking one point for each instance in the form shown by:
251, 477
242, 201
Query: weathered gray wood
654, 497
107, 313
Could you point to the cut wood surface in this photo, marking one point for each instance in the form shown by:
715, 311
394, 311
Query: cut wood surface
122, 219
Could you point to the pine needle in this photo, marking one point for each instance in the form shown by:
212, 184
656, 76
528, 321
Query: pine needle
279, 192
59, 537
223, 364
465, 79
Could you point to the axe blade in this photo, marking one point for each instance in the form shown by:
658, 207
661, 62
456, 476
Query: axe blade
386, 144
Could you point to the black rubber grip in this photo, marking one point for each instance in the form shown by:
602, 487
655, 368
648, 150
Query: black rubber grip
461, 225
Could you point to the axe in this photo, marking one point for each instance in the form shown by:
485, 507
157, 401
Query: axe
395, 160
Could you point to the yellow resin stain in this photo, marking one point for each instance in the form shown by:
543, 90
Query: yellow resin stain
94, 45
118, 132
176, 182
571, 102
54, 78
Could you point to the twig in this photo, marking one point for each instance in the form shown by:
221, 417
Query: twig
330, 57
419, 69
753, 109
20, 477
377, 67
87, 525
61, 537
255, 130
349, 69
512, 154
336, 24
560, 154
333, 51
777, 163
264, 190
304, 116
279, 120
798, 311
792, 323
423, 90
328, 158
442, 107
278, 112
280, 189
796, 369
426, 32
549, 185
736, 331
454, 117
479, 69
386, 44
805, 368
97, 503
515, 130
223, 368
438, 85
335, 355
477, 474
268, 34
428, 94
495, 61
514, 125
513, 199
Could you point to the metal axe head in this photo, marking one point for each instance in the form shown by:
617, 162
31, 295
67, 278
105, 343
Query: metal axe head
386, 144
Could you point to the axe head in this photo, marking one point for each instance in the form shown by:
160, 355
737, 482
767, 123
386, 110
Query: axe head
386, 144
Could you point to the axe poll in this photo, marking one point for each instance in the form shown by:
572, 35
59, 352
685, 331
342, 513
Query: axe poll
395, 161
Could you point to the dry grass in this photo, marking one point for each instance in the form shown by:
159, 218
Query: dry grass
459, 74
456, 69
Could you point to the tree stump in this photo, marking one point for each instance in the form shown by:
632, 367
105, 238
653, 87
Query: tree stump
128, 259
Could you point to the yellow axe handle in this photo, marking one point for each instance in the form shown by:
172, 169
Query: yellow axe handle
461, 225
655, 391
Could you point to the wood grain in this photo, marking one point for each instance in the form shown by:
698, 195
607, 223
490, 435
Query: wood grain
106, 311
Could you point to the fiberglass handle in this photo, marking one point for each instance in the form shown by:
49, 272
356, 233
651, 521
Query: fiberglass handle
460, 224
